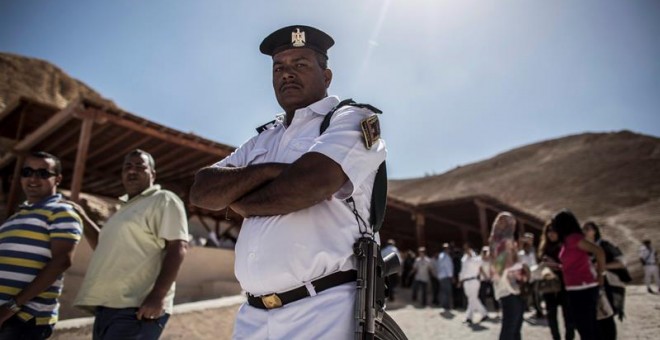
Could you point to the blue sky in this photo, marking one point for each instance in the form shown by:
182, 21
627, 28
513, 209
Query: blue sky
459, 80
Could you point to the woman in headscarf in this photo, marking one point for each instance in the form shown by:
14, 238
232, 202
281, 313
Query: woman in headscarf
582, 283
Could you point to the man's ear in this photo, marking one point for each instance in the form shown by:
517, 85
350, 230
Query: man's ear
327, 75
58, 180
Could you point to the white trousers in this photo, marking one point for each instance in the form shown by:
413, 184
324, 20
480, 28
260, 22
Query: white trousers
328, 315
651, 272
471, 289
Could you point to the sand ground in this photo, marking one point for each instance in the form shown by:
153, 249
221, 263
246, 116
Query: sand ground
642, 322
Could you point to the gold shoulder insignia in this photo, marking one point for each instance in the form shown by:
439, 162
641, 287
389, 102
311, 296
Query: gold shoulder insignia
370, 130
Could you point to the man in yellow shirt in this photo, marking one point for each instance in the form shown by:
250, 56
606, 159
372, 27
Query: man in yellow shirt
129, 284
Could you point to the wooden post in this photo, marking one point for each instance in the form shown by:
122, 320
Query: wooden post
521, 228
81, 157
465, 235
12, 200
483, 223
419, 227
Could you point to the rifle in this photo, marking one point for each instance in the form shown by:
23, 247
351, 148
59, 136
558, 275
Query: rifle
372, 272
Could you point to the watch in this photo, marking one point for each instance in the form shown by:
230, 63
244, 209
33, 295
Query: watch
12, 306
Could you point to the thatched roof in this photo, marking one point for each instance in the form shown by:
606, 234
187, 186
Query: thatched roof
42, 108
42, 82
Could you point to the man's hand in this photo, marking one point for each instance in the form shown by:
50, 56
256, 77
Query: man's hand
5, 314
152, 307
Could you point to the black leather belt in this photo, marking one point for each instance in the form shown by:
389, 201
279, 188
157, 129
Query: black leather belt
280, 299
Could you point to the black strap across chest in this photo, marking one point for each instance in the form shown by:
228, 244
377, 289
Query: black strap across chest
379, 191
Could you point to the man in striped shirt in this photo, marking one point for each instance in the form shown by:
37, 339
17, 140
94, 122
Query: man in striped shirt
36, 247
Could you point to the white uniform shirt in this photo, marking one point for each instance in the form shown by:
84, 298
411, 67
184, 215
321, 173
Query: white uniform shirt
647, 255
278, 253
470, 266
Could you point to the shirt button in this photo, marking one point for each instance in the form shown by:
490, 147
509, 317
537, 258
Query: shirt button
252, 256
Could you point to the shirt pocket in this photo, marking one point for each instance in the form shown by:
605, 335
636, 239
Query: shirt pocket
297, 147
256, 155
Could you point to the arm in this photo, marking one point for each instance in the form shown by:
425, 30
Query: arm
90, 229
616, 264
153, 304
61, 259
308, 181
216, 188
593, 248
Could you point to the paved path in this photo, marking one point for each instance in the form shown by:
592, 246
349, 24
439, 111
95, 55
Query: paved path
212, 322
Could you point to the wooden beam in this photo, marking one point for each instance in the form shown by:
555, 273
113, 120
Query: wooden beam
519, 214
450, 222
118, 154
12, 200
103, 148
81, 157
7, 110
62, 137
420, 229
65, 151
483, 223
150, 131
165, 164
43, 131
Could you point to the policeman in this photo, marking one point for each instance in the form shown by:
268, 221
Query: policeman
292, 185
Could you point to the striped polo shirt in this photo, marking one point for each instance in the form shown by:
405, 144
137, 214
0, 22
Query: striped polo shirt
25, 250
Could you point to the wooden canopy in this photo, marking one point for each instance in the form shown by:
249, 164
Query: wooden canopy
460, 220
91, 140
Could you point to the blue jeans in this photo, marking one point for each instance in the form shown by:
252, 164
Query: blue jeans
419, 284
122, 323
17, 329
446, 293
513, 307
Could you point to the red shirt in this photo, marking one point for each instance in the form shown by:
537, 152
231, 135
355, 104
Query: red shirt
576, 264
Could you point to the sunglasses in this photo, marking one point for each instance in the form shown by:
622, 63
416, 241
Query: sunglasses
41, 173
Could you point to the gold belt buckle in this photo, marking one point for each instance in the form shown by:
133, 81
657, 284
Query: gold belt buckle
271, 301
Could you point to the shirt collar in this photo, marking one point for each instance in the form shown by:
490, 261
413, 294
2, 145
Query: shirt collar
43, 202
321, 107
324, 105
147, 192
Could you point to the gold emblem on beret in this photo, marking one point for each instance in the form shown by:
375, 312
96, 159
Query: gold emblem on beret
298, 38
370, 130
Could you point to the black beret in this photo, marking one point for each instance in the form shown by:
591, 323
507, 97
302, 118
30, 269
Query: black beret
298, 36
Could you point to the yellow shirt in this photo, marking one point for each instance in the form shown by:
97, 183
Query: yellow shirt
130, 251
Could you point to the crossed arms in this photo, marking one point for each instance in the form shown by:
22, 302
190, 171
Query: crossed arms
270, 188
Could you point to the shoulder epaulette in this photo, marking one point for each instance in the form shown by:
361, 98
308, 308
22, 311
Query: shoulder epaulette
379, 190
266, 126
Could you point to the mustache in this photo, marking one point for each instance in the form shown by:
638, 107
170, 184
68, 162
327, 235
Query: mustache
289, 84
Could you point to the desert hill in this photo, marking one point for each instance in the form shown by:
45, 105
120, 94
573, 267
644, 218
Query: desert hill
611, 178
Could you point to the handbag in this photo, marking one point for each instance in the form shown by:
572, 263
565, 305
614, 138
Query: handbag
604, 309
549, 285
